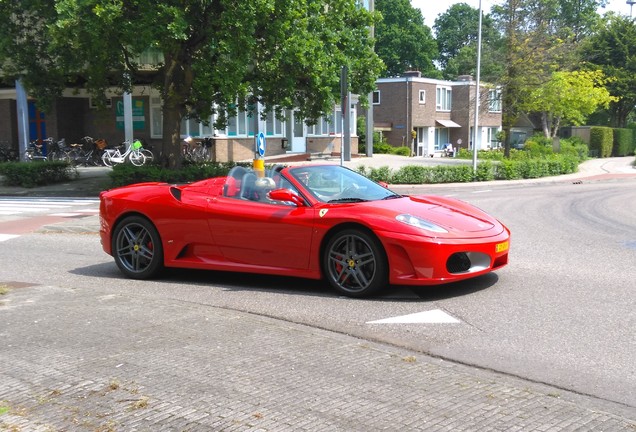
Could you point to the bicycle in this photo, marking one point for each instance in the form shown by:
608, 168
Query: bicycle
194, 152
132, 153
34, 152
89, 152
58, 151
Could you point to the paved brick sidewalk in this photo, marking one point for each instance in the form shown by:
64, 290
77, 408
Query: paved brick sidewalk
90, 360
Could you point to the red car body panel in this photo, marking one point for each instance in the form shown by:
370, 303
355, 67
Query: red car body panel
200, 228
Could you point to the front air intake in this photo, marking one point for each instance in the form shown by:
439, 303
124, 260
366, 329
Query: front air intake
458, 263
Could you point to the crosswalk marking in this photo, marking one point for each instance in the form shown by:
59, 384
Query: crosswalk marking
23, 215
13, 206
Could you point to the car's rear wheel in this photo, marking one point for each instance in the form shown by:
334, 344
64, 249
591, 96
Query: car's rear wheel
137, 248
355, 263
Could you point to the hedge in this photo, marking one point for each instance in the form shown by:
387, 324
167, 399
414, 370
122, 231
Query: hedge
486, 171
32, 174
623, 142
601, 140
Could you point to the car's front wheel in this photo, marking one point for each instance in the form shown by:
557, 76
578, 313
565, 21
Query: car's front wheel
137, 248
355, 263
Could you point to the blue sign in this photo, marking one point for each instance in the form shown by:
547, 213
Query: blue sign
260, 144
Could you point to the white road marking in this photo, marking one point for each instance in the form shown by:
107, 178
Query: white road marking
11, 207
65, 214
435, 316
482, 191
4, 237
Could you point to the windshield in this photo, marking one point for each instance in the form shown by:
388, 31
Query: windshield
337, 184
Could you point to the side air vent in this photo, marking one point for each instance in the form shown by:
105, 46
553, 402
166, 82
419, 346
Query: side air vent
176, 193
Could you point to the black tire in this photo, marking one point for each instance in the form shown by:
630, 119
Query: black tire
355, 263
137, 248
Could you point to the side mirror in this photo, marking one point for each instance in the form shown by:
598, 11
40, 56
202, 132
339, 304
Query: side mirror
383, 184
286, 195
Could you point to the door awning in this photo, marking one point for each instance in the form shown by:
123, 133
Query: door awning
448, 123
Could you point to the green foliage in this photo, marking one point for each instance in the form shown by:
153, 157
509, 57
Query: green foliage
402, 151
403, 41
124, 174
486, 171
456, 33
612, 48
285, 55
481, 154
601, 141
385, 148
574, 147
623, 142
569, 97
31, 174
538, 146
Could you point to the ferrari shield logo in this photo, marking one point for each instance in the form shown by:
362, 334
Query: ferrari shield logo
323, 212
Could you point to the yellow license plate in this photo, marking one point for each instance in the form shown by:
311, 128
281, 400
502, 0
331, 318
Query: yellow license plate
501, 247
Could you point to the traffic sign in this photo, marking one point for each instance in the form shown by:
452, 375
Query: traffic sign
260, 144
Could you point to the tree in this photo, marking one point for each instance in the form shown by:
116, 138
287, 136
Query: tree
457, 32
542, 37
403, 41
568, 97
613, 49
282, 54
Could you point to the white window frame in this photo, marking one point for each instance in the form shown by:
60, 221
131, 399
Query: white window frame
494, 100
443, 98
422, 97
376, 100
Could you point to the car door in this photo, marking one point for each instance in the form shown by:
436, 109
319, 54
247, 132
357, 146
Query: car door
262, 234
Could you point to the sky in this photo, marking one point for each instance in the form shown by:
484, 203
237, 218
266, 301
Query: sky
432, 8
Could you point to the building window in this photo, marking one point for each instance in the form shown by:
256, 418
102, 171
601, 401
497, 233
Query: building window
442, 137
156, 118
422, 96
376, 97
492, 135
443, 98
494, 100
242, 124
273, 125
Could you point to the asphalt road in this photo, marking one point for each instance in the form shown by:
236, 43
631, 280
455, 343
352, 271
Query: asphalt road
562, 313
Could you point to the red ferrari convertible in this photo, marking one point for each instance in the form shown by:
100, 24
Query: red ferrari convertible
311, 221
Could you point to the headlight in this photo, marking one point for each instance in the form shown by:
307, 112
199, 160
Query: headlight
420, 223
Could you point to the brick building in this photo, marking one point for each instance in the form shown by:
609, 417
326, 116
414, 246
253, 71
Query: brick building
425, 114
75, 115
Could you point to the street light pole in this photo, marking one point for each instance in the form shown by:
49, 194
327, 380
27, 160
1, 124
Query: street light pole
631, 5
476, 125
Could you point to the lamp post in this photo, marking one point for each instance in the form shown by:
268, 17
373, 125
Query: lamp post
476, 125
631, 5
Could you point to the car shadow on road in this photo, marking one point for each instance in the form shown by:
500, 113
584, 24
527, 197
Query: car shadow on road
232, 281
454, 289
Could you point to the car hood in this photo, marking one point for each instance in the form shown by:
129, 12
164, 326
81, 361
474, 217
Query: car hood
457, 217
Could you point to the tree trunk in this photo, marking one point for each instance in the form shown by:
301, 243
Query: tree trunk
544, 124
177, 87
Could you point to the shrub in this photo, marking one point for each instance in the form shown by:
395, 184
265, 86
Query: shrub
125, 174
485, 171
402, 151
601, 141
31, 174
574, 147
623, 142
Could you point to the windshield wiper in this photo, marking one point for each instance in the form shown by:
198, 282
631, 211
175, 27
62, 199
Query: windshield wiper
346, 200
391, 197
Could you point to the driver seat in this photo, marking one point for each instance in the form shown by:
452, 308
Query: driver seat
248, 186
